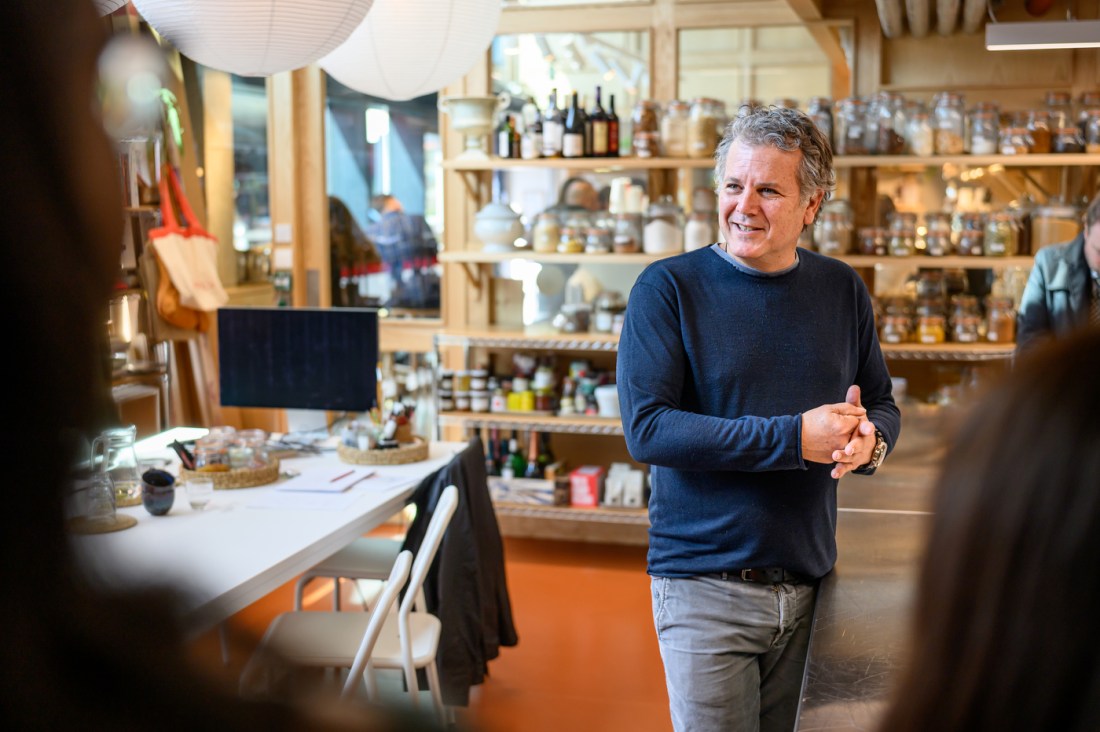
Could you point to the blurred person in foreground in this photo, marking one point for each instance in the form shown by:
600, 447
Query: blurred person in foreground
750, 380
1063, 289
1005, 633
77, 655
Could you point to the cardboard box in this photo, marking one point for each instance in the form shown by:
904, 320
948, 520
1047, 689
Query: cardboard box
530, 491
586, 486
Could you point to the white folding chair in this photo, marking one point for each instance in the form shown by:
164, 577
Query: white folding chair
331, 639
366, 558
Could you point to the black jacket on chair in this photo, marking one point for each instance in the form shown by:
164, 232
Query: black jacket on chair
466, 586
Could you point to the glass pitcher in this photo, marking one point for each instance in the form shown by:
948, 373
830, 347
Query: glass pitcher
119, 462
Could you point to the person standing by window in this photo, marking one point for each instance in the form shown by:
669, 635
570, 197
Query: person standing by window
409, 249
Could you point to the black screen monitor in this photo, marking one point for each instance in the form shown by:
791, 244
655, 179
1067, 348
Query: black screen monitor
298, 358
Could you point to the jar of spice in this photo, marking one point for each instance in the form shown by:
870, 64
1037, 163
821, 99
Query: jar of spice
966, 329
1038, 129
1019, 141
918, 133
627, 235
702, 128
820, 111
674, 129
833, 233
1000, 319
1067, 140
931, 329
1000, 235
949, 123
901, 242
890, 140
1092, 131
570, 241
969, 233
597, 240
1089, 103
1059, 109
647, 136
872, 241
895, 329
547, 232
985, 130
849, 126
937, 237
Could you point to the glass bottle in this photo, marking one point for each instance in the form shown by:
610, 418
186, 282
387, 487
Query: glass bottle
1037, 129
612, 128
674, 129
552, 128
889, 137
598, 119
120, 463
833, 233
572, 141
949, 123
531, 140
532, 470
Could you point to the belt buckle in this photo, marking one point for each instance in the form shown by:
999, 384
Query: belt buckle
747, 575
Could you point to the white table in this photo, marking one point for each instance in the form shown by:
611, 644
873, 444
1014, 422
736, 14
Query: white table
241, 547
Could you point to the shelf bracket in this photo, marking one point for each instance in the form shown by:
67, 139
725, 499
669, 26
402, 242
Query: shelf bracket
474, 275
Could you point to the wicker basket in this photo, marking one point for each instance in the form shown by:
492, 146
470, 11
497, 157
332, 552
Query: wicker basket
236, 478
412, 452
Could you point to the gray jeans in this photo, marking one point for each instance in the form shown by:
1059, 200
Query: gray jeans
733, 651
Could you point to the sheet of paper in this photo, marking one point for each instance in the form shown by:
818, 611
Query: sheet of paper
325, 478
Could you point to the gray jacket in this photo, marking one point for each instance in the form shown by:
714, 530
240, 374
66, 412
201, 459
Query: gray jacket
1056, 299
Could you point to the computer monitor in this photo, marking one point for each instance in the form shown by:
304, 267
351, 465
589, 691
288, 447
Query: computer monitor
298, 358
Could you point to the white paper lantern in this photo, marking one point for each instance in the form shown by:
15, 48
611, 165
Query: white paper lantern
254, 37
106, 7
408, 48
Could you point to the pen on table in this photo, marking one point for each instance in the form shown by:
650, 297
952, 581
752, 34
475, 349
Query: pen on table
362, 478
342, 475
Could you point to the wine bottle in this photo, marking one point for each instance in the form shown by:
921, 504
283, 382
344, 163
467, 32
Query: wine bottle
612, 128
546, 455
552, 128
505, 131
531, 141
587, 124
572, 142
505, 469
598, 122
532, 470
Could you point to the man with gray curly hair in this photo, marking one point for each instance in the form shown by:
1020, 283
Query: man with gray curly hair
750, 380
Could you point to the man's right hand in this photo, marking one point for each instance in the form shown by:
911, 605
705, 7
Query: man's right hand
828, 428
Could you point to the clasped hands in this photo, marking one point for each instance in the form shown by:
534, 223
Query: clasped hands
838, 433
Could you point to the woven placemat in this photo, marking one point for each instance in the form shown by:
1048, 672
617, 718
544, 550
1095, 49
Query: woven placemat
85, 525
412, 452
236, 478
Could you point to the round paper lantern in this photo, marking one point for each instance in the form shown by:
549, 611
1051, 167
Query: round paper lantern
106, 7
254, 37
408, 48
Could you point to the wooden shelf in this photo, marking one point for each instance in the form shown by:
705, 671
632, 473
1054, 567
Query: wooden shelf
865, 260
599, 514
475, 256
539, 423
535, 338
969, 352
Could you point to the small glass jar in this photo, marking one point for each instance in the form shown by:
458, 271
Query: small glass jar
674, 129
212, 456
937, 244
918, 133
1059, 109
820, 111
931, 329
700, 230
833, 233
1092, 131
627, 236
255, 442
447, 379
462, 401
896, 329
1001, 235
544, 400
1089, 103
547, 232
446, 400
1019, 141
966, 329
646, 135
902, 242
664, 228
985, 131
597, 240
872, 241
931, 287
849, 124
1000, 320
970, 244
949, 123
1067, 140
902, 221
702, 135
890, 139
462, 381
480, 400
1038, 129
570, 241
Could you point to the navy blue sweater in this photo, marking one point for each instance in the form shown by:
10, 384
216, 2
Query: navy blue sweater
715, 366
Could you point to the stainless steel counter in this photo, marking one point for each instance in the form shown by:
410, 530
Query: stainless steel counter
862, 615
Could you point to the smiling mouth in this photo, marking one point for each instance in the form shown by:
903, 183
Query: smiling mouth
743, 228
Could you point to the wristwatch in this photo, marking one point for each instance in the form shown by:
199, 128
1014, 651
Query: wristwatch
878, 454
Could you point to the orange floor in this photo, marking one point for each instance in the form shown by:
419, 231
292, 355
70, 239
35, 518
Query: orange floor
587, 657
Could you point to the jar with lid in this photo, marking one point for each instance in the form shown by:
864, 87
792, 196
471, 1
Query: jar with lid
1059, 109
937, 236
949, 123
896, 329
1089, 103
833, 233
608, 303
1092, 131
901, 221
1038, 128
931, 329
1019, 141
547, 232
963, 305
674, 129
627, 235
889, 137
1000, 235
931, 288
597, 240
702, 128
1054, 224
872, 241
820, 111
646, 141
849, 124
918, 133
1000, 320
254, 445
985, 130
211, 456
664, 228
966, 329
902, 242
1067, 140
700, 231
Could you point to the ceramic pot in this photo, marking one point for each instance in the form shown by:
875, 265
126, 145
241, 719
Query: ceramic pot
158, 492
498, 227
473, 117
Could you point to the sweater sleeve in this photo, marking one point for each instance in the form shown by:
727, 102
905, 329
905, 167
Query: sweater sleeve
1033, 318
651, 369
873, 378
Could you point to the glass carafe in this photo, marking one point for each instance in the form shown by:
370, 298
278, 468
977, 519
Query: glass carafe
120, 463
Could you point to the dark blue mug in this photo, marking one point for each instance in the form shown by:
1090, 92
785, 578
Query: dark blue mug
158, 491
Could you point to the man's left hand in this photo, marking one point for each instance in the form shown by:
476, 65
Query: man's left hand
862, 443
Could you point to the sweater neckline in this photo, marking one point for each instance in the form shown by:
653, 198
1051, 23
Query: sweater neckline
717, 248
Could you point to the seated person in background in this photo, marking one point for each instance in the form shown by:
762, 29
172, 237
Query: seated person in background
1063, 290
350, 249
1005, 634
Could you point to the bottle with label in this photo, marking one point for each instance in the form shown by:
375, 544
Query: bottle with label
531, 141
612, 128
572, 143
532, 469
505, 136
552, 128
598, 119
516, 460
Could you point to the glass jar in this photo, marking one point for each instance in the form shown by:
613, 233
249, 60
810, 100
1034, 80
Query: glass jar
902, 221
821, 112
1000, 320
646, 130
1059, 109
889, 135
1001, 239
872, 241
937, 243
970, 243
115, 449
700, 231
254, 442
703, 123
918, 133
607, 304
1019, 141
547, 232
949, 123
211, 456
901, 242
1089, 103
966, 329
985, 131
1038, 129
896, 329
849, 125
664, 228
570, 241
931, 288
1092, 131
833, 233
931, 329
597, 240
674, 129
1067, 140
627, 235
